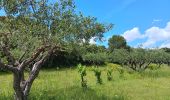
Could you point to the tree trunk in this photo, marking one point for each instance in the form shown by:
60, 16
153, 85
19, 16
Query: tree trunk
18, 86
20, 97
21, 86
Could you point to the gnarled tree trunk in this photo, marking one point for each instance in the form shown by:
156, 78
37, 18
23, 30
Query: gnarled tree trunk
21, 85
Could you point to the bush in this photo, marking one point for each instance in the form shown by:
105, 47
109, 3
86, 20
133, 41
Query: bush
119, 56
82, 72
109, 74
153, 67
97, 73
121, 71
113, 66
95, 58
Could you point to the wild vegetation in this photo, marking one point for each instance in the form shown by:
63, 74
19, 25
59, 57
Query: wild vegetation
65, 84
36, 34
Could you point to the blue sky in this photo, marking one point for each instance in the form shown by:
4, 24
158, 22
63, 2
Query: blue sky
141, 22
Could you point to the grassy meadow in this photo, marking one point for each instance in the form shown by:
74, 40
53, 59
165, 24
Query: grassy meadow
65, 84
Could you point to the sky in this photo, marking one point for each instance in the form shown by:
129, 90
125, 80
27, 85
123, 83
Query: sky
143, 23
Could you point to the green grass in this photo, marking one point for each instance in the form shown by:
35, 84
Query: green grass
64, 84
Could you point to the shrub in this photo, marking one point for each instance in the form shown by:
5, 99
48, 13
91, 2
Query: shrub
95, 58
97, 73
109, 74
121, 71
113, 66
153, 67
119, 56
82, 72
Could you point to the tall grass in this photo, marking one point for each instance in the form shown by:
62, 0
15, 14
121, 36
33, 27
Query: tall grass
64, 84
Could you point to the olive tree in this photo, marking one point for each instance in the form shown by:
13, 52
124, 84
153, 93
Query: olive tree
139, 59
159, 57
95, 58
94, 54
33, 30
120, 56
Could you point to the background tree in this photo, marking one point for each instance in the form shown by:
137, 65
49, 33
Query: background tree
94, 54
98, 58
119, 56
117, 42
139, 59
166, 49
160, 56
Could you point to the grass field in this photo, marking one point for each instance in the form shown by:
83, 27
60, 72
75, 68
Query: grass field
64, 84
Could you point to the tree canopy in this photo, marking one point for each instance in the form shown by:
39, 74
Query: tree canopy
117, 42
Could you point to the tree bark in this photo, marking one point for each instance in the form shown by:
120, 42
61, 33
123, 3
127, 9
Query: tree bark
21, 86
18, 95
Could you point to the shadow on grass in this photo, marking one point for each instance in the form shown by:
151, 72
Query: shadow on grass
73, 93
4, 73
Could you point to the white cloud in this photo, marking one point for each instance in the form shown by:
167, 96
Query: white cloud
133, 34
148, 43
153, 36
167, 28
156, 34
92, 40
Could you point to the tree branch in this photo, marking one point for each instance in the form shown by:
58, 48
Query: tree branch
4, 47
36, 54
7, 67
35, 70
10, 57
22, 56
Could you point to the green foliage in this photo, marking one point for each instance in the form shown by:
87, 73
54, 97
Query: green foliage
97, 73
166, 49
55, 84
117, 42
113, 65
139, 59
109, 74
95, 58
153, 67
120, 56
160, 57
93, 48
36, 23
93, 54
121, 71
82, 72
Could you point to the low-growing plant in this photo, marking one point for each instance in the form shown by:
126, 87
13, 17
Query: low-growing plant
97, 73
121, 71
82, 72
113, 66
109, 74
153, 67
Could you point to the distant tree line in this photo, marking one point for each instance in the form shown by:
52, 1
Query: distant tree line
118, 52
